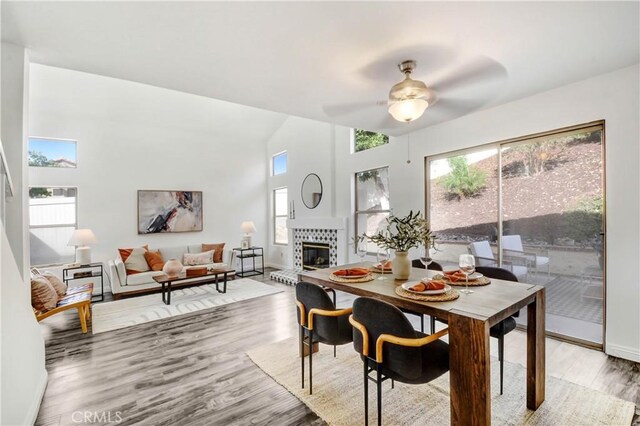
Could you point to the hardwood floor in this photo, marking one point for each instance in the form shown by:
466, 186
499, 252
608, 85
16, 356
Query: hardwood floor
193, 369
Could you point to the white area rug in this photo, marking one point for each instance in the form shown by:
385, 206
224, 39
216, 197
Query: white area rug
338, 393
138, 310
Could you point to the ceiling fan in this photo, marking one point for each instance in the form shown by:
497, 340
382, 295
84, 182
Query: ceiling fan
409, 98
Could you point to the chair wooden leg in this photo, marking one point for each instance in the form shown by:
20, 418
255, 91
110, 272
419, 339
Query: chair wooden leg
88, 309
366, 392
83, 318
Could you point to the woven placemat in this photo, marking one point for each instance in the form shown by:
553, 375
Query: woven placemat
338, 279
444, 297
472, 283
379, 271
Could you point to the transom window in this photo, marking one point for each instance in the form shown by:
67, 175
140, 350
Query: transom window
279, 164
372, 201
48, 152
364, 139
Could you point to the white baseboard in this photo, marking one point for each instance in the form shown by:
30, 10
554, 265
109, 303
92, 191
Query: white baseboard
625, 352
32, 414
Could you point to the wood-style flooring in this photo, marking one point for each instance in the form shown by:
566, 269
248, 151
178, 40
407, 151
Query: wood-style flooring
193, 370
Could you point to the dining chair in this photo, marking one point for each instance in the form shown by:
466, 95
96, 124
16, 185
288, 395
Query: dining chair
319, 321
505, 326
388, 345
481, 251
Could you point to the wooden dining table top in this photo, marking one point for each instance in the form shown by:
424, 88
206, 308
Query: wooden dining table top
492, 303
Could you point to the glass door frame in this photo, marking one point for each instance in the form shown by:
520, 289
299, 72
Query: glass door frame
498, 145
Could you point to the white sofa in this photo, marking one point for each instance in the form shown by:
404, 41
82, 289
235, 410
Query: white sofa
123, 284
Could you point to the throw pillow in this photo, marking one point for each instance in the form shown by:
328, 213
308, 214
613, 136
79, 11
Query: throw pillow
154, 260
43, 295
204, 258
218, 251
134, 261
57, 284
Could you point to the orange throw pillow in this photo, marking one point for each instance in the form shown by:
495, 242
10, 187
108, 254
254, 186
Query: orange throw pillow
133, 258
154, 260
217, 254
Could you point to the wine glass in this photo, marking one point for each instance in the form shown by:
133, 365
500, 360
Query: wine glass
467, 265
361, 250
425, 256
382, 256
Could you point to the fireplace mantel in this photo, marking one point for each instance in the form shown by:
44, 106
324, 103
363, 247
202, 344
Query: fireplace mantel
338, 223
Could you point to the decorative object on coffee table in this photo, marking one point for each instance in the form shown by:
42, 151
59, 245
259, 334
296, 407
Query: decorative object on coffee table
169, 211
248, 228
401, 235
82, 239
172, 267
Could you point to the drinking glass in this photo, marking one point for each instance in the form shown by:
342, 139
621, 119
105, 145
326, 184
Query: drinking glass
467, 265
383, 255
425, 256
361, 250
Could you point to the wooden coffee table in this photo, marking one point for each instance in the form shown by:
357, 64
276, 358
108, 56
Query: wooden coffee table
182, 280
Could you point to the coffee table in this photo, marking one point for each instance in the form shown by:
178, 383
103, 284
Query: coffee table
182, 280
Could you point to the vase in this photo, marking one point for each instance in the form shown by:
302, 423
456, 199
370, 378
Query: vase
172, 267
401, 267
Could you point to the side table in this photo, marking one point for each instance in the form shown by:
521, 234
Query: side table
82, 272
250, 253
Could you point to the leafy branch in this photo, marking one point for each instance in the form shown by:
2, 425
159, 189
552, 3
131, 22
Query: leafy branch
402, 234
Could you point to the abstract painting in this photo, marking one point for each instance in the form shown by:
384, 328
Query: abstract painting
169, 211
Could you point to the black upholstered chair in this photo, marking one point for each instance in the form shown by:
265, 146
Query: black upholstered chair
319, 321
388, 345
434, 266
505, 326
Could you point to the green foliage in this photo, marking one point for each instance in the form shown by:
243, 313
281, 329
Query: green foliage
464, 180
39, 193
38, 159
366, 140
402, 234
584, 223
591, 205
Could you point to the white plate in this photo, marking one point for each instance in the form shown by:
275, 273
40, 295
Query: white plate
407, 286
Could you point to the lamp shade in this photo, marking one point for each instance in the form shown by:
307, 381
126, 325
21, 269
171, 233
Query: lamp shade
248, 227
408, 109
82, 237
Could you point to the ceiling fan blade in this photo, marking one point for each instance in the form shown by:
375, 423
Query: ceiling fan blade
335, 110
481, 70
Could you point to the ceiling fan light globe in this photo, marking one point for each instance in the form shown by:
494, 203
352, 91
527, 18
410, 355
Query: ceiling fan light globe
408, 110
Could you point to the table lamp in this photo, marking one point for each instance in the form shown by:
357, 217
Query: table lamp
81, 239
248, 228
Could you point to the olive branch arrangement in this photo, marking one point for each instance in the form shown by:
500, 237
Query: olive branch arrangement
402, 234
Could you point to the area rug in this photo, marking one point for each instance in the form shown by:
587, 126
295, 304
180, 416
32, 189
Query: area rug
138, 310
338, 392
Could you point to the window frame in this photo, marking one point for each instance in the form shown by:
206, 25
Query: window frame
286, 163
66, 225
367, 212
276, 216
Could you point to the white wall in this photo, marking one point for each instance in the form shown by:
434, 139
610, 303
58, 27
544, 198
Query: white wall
310, 149
612, 97
23, 377
133, 136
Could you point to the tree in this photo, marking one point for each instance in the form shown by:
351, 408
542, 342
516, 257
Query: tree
366, 140
39, 193
464, 180
38, 159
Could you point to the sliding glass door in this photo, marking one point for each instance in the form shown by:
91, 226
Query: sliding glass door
533, 206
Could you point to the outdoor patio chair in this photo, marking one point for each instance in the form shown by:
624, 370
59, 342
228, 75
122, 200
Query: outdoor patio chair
512, 246
484, 256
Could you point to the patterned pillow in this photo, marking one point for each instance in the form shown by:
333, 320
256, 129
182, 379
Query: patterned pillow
219, 250
134, 261
43, 295
154, 260
204, 258
57, 284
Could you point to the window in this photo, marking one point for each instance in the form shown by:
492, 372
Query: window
372, 201
52, 220
363, 139
44, 152
280, 208
279, 163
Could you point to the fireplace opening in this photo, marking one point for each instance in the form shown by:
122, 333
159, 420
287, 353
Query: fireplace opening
315, 255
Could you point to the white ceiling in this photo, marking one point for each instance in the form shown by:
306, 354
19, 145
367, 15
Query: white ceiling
332, 61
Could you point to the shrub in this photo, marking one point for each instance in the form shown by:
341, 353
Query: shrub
464, 180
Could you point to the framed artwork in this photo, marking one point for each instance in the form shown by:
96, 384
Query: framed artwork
169, 211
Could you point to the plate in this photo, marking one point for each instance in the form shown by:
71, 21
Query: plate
407, 286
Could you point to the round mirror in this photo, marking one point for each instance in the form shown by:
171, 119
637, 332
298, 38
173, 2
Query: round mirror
311, 191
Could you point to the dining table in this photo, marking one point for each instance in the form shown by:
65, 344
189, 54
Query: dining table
469, 318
